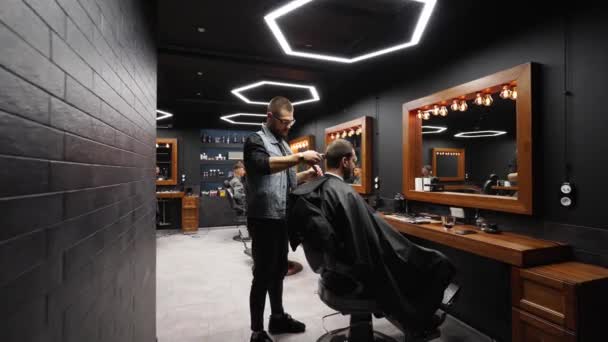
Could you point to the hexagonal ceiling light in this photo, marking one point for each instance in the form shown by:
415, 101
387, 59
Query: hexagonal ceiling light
271, 18
228, 118
163, 115
313, 91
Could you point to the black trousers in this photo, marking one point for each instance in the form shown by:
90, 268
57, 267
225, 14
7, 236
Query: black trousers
269, 247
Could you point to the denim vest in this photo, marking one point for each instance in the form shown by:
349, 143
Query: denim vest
267, 194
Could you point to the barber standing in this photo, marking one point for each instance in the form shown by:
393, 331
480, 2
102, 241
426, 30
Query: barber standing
271, 177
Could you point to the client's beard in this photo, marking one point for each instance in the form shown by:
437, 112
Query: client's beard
347, 174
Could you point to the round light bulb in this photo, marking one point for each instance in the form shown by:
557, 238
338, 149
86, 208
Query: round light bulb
487, 100
514, 94
351, 133
426, 116
454, 105
358, 132
463, 106
505, 93
420, 115
443, 111
436, 110
344, 134
478, 99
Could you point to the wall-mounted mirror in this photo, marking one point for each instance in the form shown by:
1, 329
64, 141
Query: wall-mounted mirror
359, 133
166, 161
471, 145
302, 144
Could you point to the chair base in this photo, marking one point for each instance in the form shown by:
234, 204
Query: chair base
342, 335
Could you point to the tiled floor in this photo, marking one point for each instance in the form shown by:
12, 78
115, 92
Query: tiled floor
203, 285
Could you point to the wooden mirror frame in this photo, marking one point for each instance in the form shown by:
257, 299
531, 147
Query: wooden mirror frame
521, 76
366, 124
461, 163
173, 143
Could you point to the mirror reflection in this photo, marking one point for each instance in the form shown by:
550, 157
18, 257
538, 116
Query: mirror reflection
354, 136
470, 148
164, 159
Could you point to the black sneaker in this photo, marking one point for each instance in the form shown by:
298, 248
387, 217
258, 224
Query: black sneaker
284, 324
260, 336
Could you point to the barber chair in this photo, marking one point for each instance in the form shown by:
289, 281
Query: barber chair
241, 216
487, 186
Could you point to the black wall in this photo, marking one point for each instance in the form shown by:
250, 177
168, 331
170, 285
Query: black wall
584, 226
77, 130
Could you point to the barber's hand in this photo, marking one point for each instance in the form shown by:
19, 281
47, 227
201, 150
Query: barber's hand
311, 157
316, 171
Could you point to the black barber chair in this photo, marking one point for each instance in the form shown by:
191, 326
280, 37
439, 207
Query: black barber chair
241, 215
341, 292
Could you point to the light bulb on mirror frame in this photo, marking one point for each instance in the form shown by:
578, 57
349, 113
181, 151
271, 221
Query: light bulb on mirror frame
358, 131
454, 105
488, 100
343, 134
463, 106
156, 145
351, 133
435, 110
478, 99
426, 115
505, 93
420, 115
443, 111
514, 94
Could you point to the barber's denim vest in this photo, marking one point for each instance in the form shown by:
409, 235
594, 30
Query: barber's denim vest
267, 194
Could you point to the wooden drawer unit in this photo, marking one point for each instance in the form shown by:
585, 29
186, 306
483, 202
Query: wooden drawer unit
569, 296
190, 202
190, 219
529, 328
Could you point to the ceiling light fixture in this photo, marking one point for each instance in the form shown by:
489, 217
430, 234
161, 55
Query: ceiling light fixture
313, 91
201, 30
163, 115
228, 118
200, 73
479, 134
271, 21
433, 129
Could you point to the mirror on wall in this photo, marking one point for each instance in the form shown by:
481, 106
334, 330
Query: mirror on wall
474, 151
166, 161
471, 145
359, 133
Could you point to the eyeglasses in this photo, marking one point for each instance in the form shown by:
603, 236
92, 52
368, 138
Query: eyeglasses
288, 123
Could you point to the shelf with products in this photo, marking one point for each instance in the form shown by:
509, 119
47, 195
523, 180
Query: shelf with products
231, 145
223, 137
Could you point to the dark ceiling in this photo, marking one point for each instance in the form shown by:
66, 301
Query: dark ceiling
197, 70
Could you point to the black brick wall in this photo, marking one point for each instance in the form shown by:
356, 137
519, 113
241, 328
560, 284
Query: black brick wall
77, 205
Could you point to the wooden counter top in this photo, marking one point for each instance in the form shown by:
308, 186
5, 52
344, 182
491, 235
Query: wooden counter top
170, 194
514, 249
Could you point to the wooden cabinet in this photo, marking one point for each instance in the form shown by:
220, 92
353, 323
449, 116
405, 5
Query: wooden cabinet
529, 328
559, 302
190, 217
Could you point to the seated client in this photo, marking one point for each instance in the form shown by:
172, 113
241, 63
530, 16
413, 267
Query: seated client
328, 217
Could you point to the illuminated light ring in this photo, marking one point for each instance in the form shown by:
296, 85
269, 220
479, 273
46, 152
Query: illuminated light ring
313, 91
437, 129
163, 115
271, 18
228, 118
479, 134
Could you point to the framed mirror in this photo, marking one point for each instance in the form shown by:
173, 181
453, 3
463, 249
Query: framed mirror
491, 120
302, 144
359, 133
166, 161
448, 163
